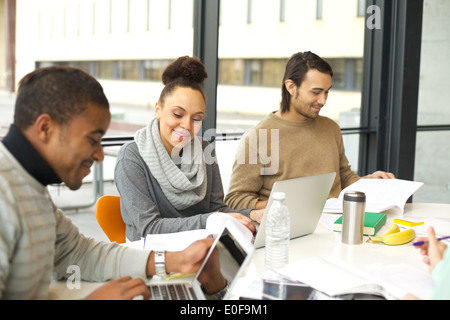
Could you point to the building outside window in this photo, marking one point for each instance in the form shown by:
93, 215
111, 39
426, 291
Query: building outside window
256, 38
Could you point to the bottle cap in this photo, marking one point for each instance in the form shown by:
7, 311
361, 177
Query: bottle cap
356, 196
279, 195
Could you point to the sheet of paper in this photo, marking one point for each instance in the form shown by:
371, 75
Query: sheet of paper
176, 241
441, 226
333, 205
409, 279
381, 194
394, 191
328, 219
326, 277
217, 220
336, 277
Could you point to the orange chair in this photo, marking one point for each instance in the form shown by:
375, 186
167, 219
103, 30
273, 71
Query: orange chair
107, 212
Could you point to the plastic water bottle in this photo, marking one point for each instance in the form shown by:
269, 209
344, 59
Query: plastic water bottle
277, 235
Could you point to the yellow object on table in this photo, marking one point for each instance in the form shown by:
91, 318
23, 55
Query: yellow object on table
408, 223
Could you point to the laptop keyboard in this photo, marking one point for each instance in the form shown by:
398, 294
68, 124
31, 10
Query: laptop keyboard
171, 292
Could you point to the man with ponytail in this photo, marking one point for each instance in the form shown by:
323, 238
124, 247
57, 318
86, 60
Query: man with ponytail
308, 144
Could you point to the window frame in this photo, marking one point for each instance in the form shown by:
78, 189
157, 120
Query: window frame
391, 67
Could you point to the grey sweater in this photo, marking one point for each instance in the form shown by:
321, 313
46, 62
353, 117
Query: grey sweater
145, 208
37, 240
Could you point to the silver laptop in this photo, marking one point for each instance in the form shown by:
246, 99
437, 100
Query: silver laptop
235, 254
305, 199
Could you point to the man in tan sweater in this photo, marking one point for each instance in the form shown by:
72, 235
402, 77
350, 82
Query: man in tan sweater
293, 141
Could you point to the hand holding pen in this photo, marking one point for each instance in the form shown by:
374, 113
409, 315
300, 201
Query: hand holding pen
419, 243
432, 249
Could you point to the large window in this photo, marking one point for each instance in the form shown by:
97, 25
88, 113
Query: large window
118, 69
119, 42
253, 57
256, 72
153, 69
125, 44
379, 94
432, 165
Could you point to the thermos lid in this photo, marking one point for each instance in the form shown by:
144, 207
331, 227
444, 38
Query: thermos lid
355, 196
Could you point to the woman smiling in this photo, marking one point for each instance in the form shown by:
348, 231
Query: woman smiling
165, 183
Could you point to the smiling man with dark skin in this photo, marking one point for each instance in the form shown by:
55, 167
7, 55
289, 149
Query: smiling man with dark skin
294, 141
61, 115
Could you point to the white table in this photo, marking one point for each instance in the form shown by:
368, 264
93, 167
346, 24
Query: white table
323, 243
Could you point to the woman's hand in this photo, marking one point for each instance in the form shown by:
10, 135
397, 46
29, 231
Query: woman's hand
432, 250
257, 215
247, 222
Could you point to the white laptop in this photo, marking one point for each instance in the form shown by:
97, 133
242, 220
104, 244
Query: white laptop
232, 264
305, 199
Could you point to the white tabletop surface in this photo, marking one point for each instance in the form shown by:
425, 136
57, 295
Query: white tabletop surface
326, 244
323, 243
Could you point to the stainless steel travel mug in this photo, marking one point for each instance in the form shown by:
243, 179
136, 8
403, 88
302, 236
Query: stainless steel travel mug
354, 207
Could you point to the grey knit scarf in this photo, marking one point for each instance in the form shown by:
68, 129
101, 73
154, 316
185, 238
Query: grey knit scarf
183, 185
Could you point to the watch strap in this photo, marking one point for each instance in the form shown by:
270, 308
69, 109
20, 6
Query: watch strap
160, 263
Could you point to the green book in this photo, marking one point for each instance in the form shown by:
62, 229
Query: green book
372, 223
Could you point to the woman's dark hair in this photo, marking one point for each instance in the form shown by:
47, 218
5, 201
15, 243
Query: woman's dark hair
59, 91
187, 72
296, 68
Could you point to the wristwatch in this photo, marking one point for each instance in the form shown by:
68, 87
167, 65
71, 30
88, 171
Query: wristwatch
218, 295
160, 263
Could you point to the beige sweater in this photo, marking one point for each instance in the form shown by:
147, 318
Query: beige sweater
279, 149
38, 242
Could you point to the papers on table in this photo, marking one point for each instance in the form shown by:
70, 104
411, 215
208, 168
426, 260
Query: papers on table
179, 241
381, 194
337, 278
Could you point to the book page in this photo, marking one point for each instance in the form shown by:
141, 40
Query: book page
404, 277
217, 220
441, 226
178, 241
381, 194
333, 205
329, 278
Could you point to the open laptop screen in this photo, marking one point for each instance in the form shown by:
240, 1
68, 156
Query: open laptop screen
234, 255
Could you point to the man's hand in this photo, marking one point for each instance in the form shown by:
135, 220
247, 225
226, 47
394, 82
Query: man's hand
125, 288
380, 175
211, 277
187, 261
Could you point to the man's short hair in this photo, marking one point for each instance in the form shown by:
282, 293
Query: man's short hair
60, 91
296, 68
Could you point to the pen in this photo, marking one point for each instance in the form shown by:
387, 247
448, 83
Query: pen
419, 243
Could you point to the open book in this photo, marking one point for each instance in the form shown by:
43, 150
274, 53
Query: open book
337, 279
179, 241
381, 194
